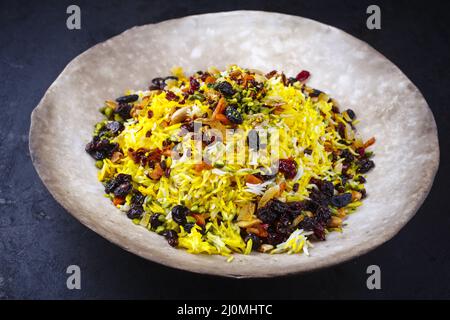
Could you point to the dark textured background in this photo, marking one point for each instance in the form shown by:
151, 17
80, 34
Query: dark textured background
39, 239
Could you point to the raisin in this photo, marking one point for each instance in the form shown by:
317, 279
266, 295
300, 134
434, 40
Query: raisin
112, 184
135, 212
288, 167
351, 113
233, 115
361, 179
225, 88
315, 93
307, 151
123, 110
303, 75
154, 221
127, 99
267, 215
341, 200
256, 241
347, 155
123, 189
295, 187
179, 214
137, 199
327, 188
365, 165
114, 127
323, 215
275, 238
101, 149
188, 227
158, 84
171, 237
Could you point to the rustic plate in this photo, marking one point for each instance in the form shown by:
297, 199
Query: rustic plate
387, 103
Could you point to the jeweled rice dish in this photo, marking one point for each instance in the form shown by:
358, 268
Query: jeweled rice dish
232, 161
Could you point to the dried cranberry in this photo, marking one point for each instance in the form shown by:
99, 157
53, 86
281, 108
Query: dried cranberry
171, 237
179, 214
288, 167
127, 99
341, 200
303, 75
256, 241
149, 114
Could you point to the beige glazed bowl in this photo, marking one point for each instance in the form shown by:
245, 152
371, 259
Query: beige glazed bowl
389, 106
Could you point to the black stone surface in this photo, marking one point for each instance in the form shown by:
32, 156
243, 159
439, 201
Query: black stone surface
39, 239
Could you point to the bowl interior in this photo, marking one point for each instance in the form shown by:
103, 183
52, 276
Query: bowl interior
387, 103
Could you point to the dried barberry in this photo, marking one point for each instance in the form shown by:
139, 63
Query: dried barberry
303, 75
171, 96
288, 167
195, 85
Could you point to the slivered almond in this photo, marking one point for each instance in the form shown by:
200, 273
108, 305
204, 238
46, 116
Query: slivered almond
247, 224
